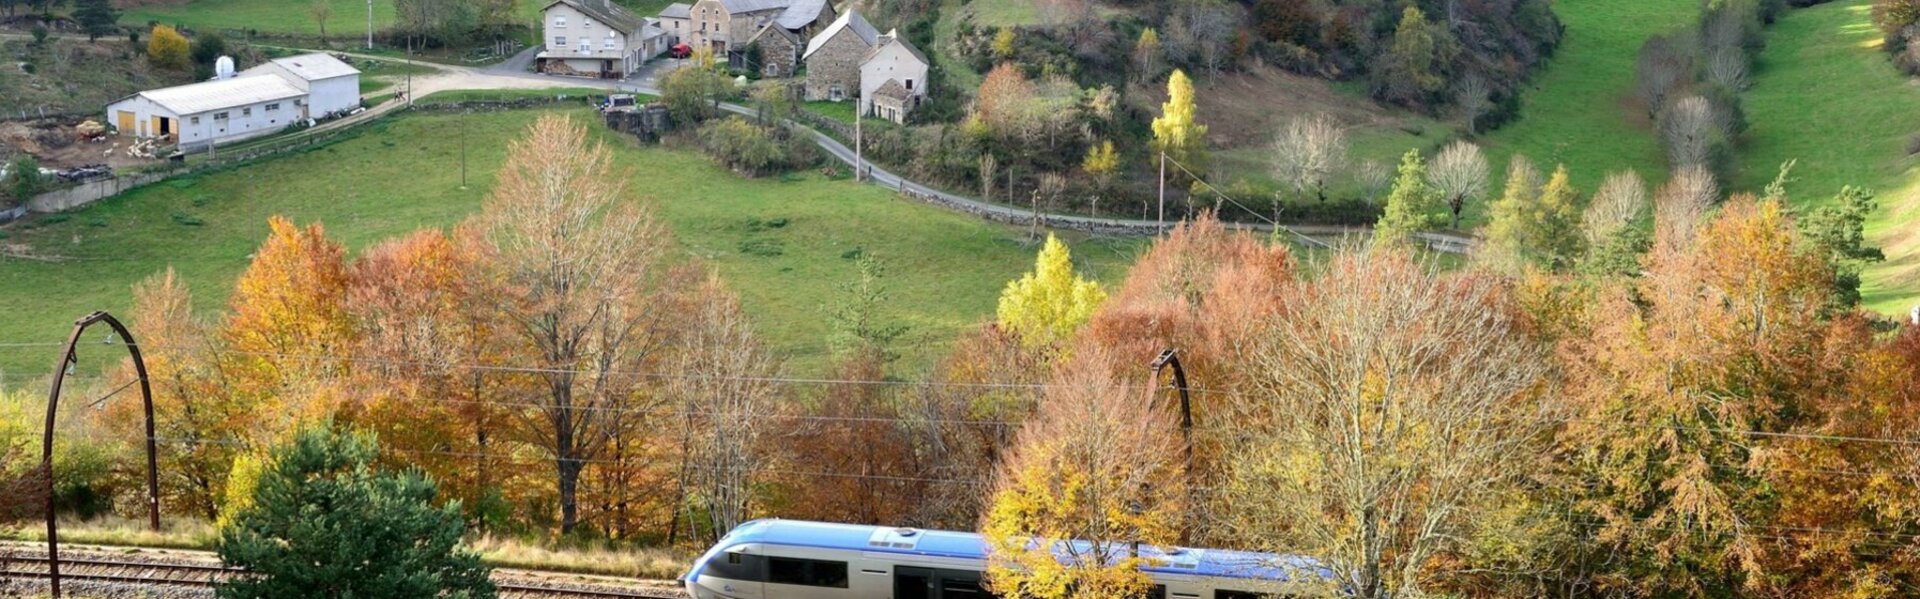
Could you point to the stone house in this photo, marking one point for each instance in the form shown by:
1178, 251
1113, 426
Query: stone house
596, 38
898, 69
779, 50
728, 26
676, 19
833, 57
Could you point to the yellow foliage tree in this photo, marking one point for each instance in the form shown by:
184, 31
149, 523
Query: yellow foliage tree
167, 48
1003, 43
1047, 305
1092, 476
1174, 131
288, 330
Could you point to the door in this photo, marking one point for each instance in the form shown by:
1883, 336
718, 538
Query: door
736, 574
912, 583
126, 122
927, 583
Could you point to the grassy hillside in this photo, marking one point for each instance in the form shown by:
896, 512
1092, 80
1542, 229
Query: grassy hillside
1580, 110
1825, 94
784, 245
348, 20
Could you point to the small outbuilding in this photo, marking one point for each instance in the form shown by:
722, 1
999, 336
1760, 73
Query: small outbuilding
332, 86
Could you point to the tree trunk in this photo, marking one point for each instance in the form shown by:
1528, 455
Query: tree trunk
569, 471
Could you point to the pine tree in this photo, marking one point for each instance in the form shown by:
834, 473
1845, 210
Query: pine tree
1045, 307
325, 521
96, 17
1409, 205
1175, 131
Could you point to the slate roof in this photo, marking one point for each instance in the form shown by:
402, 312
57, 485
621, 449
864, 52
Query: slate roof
677, 10
208, 96
735, 7
776, 29
850, 20
605, 12
892, 89
893, 37
316, 66
801, 13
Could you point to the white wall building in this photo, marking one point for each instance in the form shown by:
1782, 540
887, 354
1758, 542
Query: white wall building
596, 38
258, 101
896, 60
332, 86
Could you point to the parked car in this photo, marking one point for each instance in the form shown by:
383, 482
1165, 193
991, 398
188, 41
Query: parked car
680, 51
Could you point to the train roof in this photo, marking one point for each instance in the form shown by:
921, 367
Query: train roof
967, 545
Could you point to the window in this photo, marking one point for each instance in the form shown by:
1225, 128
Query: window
272, 107
559, 42
560, 22
299, 102
735, 566
909, 84
220, 116
196, 120
247, 111
1227, 594
806, 572
610, 40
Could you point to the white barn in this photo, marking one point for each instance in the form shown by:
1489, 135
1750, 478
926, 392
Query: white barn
259, 101
332, 86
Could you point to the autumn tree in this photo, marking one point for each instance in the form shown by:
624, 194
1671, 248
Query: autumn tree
1691, 132
1409, 204
1396, 408
1459, 174
588, 292
1610, 228
1148, 57
1308, 153
1048, 304
1681, 205
729, 400
1092, 474
191, 405
288, 335
1175, 133
167, 48
1414, 65
1537, 228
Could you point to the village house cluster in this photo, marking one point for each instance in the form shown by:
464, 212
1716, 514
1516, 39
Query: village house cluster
838, 55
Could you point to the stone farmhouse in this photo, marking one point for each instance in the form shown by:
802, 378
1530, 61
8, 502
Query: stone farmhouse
597, 38
728, 27
258, 101
850, 59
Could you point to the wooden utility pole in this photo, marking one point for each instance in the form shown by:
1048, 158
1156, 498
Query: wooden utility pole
1163, 188
859, 161
369, 24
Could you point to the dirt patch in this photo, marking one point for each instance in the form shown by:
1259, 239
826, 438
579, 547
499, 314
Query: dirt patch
56, 145
1243, 110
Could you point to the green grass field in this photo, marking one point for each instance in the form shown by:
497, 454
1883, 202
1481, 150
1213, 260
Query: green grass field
402, 173
1825, 94
347, 21
1579, 110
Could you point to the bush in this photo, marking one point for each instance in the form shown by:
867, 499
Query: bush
167, 48
325, 521
750, 149
25, 180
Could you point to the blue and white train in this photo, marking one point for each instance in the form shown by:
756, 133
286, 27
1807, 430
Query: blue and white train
792, 559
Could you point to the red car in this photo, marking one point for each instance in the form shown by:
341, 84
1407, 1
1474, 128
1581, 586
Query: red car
680, 51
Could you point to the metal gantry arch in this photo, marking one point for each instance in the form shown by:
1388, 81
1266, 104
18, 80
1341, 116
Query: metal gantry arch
68, 359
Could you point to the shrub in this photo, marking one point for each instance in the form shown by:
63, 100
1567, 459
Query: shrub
208, 48
39, 34
167, 48
746, 148
25, 179
324, 520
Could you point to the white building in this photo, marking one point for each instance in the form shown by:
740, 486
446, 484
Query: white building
894, 64
332, 86
258, 101
597, 38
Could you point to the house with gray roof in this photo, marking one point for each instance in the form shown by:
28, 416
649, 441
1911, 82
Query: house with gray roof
833, 57
894, 71
596, 38
728, 27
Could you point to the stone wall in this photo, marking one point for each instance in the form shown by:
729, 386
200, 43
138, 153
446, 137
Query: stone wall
778, 54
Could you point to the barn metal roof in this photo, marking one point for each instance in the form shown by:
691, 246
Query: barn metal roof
316, 66
677, 10
209, 96
966, 545
850, 20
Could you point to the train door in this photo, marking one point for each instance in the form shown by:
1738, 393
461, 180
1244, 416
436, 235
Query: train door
928, 583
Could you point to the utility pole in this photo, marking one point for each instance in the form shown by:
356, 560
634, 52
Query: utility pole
1163, 188
859, 160
1171, 357
369, 24
463, 152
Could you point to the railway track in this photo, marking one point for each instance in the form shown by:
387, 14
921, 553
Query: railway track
190, 576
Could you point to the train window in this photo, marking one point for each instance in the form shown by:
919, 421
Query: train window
1226, 594
1159, 591
961, 589
806, 572
737, 566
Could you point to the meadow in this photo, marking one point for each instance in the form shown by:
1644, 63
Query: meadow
784, 244
1825, 94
